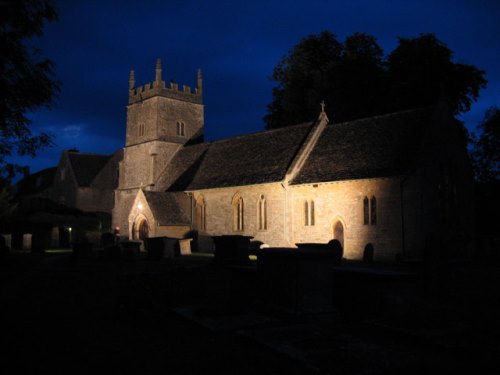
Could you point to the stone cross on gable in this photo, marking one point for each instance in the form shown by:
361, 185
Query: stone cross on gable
322, 106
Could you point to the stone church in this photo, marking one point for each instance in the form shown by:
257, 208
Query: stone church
394, 182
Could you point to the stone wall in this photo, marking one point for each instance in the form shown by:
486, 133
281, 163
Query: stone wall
143, 163
124, 199
219, 212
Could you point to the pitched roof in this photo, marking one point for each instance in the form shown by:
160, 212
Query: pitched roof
36, 182
380, 146
249, 159
180, 171
166, 208
86, 166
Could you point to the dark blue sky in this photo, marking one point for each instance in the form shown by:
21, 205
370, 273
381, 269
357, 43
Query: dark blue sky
95, 44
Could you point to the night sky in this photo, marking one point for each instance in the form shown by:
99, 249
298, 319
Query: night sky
95, 44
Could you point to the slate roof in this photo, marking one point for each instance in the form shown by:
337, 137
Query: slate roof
166, 208
380, 146
248, 159
86, 166
181, 169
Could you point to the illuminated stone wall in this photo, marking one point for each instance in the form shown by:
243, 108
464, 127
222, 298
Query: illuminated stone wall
343, 201
219, 212
333, 202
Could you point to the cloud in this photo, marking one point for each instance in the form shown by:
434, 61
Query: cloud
72, 131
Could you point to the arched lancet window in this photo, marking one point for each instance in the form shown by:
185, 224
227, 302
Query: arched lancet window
238, 214
309, 213
366, 211
370, 211
200, 214
262, 213
373, 211
306, 213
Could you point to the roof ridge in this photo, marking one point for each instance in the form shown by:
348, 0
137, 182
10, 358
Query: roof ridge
383, 115
261, 132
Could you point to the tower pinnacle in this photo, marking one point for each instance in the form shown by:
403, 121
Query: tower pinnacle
131, 80
199, 83
158, 70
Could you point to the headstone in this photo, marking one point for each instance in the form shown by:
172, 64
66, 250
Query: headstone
185, 246
162, 247
27, 238
8, 241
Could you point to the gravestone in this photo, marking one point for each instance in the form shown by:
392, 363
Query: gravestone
162, 247
27, 238
185, 246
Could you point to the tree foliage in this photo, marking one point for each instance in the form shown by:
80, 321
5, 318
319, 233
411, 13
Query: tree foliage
356, 80
27, 80
486, 152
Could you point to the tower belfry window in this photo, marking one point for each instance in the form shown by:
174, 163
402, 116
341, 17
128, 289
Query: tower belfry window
181, 128
141, 130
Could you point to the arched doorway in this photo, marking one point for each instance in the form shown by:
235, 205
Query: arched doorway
141, 229
338, 232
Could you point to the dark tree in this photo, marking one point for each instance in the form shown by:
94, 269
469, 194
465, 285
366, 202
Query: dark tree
486, 152
362, 86
27, 80
356, 81
301, 78
421, 70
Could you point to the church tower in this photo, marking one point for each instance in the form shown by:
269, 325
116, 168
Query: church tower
161, 119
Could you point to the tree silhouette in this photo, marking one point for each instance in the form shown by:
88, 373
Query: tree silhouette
27, 80
421, 70
486, 152
356, 80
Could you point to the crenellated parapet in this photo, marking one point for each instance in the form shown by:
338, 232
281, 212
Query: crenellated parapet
159, 88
